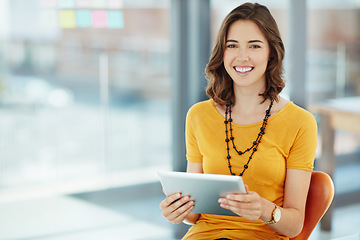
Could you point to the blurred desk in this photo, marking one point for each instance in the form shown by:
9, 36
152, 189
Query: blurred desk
336, 114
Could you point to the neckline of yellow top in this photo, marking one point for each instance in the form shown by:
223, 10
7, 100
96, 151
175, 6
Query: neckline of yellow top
221, 117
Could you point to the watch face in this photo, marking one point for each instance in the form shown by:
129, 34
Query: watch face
277, 214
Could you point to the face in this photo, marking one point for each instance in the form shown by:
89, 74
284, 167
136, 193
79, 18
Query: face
246, 54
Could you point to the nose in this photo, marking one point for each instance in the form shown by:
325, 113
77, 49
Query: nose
242, 55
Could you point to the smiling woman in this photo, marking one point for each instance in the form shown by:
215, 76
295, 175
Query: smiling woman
247, 129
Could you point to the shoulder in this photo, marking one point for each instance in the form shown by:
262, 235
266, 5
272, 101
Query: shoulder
200, 108
293, 118
298, 118
297, 112
292, 111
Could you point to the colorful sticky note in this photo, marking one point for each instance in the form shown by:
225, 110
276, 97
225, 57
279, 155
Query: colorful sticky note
49, 18
83, 3
115, 4
48, 3
83, 18
99, 19
66, 3
67, 19
115, 19
99, 4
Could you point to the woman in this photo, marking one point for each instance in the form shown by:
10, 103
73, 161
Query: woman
247, 129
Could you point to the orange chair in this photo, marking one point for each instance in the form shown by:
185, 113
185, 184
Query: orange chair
320, 196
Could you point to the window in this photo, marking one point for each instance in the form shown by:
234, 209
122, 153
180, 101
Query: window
84, 94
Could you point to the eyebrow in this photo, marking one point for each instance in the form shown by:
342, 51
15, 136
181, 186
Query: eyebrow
251, 41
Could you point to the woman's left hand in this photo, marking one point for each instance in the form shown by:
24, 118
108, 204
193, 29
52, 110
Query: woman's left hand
245, 205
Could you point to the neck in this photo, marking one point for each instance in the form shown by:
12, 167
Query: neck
247, 99
247, 105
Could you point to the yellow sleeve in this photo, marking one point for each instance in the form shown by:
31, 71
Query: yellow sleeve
193, 153
302, 151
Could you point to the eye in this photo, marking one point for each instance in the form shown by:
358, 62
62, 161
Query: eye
230, 46
255, 46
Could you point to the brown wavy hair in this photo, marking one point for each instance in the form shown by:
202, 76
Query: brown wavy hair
220, 84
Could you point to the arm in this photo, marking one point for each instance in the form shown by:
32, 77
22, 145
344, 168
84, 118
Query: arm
293, 211
253, 207
176, 208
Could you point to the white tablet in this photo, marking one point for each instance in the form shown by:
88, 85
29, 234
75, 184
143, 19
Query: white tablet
204, 189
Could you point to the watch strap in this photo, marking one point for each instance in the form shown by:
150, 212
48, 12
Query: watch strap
272, 221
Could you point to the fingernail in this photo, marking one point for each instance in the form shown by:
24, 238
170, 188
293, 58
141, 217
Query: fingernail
186, 198
178, 195
221, 200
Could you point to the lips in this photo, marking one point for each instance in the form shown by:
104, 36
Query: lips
243, 69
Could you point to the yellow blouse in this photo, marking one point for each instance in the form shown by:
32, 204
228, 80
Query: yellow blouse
289, 141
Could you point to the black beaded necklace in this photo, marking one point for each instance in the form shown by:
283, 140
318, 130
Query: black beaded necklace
256, 143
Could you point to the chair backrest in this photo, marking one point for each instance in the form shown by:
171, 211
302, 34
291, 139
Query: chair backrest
320, 196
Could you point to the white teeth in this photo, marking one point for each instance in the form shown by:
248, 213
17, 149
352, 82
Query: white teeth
243, 69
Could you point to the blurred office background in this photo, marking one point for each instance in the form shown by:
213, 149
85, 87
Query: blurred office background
89, 108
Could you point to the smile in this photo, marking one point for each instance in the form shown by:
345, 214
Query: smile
243, 69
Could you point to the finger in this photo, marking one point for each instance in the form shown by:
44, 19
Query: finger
241, 197
247, 189
238, 197
241, 205
251, 214
180, 214
169, 200
179, 203
247, 210
171, 209
235, 209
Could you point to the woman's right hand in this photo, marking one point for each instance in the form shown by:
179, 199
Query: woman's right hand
175, 208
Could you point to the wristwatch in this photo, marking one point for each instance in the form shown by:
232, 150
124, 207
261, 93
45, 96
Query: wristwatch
276, 215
